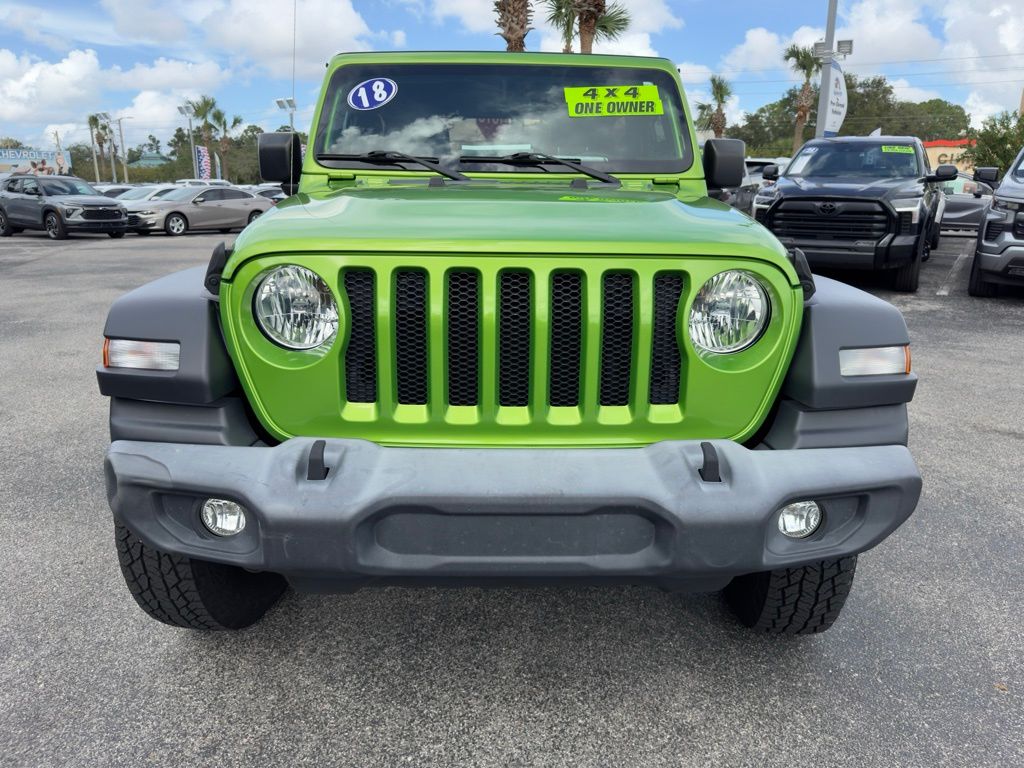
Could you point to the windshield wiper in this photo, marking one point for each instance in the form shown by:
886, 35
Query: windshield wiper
386, 157
541, 159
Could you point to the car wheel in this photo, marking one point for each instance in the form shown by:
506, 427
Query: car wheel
175, 225
55, 226
936, 237
977, 285
792, 601
194, 594
254, 215
6, 230
116, 235
905, 279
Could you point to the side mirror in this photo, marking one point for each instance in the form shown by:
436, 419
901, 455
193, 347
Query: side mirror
199, 200
724, 164
944, 173
280, 156
770, 172
987, 175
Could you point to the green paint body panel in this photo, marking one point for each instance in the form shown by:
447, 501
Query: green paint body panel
388, 220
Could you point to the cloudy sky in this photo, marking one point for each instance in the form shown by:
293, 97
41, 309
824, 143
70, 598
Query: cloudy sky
60, 60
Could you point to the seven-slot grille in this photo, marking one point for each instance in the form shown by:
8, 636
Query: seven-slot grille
550, 329
830, 220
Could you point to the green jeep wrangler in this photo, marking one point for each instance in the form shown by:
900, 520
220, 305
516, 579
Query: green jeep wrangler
501, 334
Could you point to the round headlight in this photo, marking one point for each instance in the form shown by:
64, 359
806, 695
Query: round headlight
729, 313
295, 308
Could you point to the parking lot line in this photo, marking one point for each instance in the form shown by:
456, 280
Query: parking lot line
954, 271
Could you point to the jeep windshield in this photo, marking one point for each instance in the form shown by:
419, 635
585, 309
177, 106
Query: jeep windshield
882, 160
614, 119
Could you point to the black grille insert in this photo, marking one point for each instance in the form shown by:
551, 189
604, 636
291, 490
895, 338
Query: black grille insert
994, 230
828, 220
463, 338
514, 313
616, 338
665, 361
361, 353
411, 337
566, 339
101, 214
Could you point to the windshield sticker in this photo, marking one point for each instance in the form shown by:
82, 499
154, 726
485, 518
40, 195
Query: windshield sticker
613, 101
372, 94
900, 149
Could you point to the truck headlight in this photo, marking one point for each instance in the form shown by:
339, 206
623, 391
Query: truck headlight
729, 313
911, 205
295, 308
1002, 204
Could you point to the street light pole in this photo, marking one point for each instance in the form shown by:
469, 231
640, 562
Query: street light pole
105, 119
825, 89
289, 106
186, 109
124, 150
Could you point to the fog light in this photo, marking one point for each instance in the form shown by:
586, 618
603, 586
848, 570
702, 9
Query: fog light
799, 519
223, 517
151, 355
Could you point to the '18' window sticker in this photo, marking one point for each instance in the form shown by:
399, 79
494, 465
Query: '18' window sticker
372, 93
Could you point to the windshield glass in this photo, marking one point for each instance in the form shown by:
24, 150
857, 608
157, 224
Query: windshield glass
139, 193
610, 118
66, 187
182, 193
859, 158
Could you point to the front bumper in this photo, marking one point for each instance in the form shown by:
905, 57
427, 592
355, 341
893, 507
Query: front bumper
85, 225
888, 253
462, 515
1002, 257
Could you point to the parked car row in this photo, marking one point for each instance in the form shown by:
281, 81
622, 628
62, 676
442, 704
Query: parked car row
62, 205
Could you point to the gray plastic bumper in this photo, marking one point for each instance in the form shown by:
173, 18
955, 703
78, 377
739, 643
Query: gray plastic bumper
509, 514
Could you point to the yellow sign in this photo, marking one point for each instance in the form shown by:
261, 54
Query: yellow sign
899, 149
613, 101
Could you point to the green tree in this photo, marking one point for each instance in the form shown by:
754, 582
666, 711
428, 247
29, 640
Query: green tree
998, 142
203, 109
514, 17
610, 25
802, 61
7, 142
152, 144
225, 127
711, 115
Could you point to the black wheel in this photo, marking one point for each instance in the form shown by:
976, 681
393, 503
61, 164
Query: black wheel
175, 224
6, 230
977, 285
254, 215
907, 278
792, 601
55, 226
116, 235
194, 594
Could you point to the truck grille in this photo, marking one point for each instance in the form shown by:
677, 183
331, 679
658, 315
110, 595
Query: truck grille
551, 330
101, 214
829, 220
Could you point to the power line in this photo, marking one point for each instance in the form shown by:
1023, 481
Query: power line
896, 74
905, 87
862, 63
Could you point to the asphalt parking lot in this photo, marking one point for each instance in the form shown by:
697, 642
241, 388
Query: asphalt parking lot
925, 667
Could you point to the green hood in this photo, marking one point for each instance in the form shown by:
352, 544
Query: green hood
507, 218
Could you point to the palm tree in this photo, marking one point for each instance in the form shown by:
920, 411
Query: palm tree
514, 17
610, 24
803, 62
711, 117
220, 120
203, 109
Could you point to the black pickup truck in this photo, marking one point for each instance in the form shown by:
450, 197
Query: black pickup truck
858, 203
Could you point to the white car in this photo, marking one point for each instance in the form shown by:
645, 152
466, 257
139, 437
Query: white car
202, 182
148, 192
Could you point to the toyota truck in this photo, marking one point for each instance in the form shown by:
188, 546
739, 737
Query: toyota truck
499, 333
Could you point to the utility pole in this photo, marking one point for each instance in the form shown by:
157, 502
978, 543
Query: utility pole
186, 109
95, 162
124, 150
825, 89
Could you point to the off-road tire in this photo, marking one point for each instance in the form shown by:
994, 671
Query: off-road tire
907, 278
54, 226
6, 230
194, 594
977, 285
116, 235
172, 229
792, 601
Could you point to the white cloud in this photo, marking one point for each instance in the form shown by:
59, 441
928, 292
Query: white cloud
261, 32
398, 38
693, 74
473, 15
165, 74
904, 91
142, 20
38, 91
